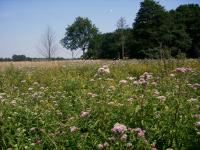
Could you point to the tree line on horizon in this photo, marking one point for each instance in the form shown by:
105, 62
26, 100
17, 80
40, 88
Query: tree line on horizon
155, 33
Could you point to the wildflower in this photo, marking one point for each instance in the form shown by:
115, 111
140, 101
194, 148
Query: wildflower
154, 83
84, 114
92, 80
37, 142
156, 93
161, 98
100, 146
172, 75
35, 83
111, 103
112, 88
119, 128
105, 144
197, 124
13, 103
130, 78
23, 81
140, 132
191, 100
153, 147
124, 137
123, 82
129, 145
30, 89
33, 129
91, 94
197, 116
103, 70
195, 86
73, 129
183, 69
130, 100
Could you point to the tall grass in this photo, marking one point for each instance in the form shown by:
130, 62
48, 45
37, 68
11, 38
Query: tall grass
71, 106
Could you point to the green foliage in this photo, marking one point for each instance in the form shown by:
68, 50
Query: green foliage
43, 108
79, 34
188, 15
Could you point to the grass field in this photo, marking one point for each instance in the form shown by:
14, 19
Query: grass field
134, 104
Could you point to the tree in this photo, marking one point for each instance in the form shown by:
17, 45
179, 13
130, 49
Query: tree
149, 27
48, 46
188, 16
18, 57
109, 47
79, 34
121, 26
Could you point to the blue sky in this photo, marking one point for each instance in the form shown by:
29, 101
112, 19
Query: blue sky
22, 22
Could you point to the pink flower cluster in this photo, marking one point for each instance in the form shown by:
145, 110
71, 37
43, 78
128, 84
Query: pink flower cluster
119, 128
183, 69
197, 124
195, 86
140, 132
143, 79
104, 70
197, 116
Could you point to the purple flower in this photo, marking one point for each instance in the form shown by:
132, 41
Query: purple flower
119, 128
197, 124
183, 69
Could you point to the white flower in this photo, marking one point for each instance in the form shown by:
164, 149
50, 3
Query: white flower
103, 70
30, 89
192, 100
123, 82
13, 102
73, 129
84, 114
161, 98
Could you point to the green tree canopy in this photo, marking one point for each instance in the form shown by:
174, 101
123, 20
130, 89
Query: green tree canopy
189, 17
155, 30
79, 34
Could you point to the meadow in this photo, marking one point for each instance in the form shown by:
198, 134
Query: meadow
133, 104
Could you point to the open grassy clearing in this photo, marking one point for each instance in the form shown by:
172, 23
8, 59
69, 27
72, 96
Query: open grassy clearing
142, 104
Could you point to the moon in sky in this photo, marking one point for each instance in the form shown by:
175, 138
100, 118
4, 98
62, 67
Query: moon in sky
111, 10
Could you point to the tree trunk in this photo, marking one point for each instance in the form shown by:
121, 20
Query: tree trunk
83, 51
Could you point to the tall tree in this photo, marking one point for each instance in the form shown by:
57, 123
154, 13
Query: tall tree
48, 46
79, 34
149, 27
121, 26
189, 17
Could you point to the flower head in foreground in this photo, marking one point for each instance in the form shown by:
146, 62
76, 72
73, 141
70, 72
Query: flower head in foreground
183, 69
123, 82
73, 129
104, 70
119, 128
197, 124
84, 114
140, 132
